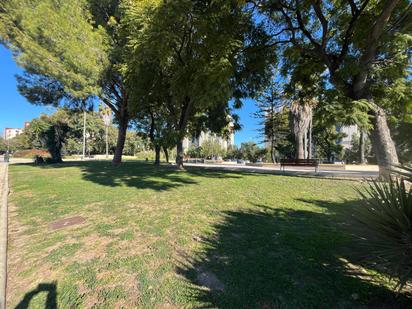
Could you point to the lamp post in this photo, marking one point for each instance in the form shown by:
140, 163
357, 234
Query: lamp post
106, 115
84, 135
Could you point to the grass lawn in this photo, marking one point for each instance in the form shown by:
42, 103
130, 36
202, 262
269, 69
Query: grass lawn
160, 238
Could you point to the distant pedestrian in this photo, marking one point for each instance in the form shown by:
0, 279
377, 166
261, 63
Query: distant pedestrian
6, 157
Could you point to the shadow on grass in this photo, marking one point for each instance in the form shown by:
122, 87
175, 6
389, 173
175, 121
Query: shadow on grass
144, 175
51, 300
280, 258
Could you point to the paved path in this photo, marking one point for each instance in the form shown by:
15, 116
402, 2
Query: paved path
292, 171
4, 190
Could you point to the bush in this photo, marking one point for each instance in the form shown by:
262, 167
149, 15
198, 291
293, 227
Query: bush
30, 153
195, 152
38, 159
250, 151
386, 219
52, 160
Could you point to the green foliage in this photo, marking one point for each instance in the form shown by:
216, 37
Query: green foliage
72, 141
72, 52
386, 218
134, 144
274, 121
358, 50
352, 154
195, 152
3, 145
251, 152
185, 60
20, 142
232, 152
211, 148
49, 132
56, 41
327, 144
403, 140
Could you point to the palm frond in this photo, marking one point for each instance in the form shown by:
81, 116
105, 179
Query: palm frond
386, 218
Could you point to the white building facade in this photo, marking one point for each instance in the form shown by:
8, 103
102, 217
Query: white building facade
346, 142
204, 136
10, 133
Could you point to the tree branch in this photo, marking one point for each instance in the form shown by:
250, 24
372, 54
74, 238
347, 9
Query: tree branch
323, 21
371, 46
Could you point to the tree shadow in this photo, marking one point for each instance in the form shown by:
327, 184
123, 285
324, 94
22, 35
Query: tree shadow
51, 300
358, 252
275, 258
142, 175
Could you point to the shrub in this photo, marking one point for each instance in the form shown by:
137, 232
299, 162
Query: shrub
52, 160
30, 153
386, 219
38, 159
195, 152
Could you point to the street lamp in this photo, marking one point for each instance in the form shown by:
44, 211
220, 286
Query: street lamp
106, 115
84, 134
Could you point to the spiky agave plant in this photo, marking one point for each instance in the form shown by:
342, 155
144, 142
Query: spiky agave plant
386, 219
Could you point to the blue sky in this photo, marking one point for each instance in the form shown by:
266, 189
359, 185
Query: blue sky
15, 109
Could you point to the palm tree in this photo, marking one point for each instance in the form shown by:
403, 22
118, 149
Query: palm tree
302, 113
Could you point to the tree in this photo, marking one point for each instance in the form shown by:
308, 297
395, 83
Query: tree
3, 145
269, 104
301, 120
191, 48
195, 152
250, 151
327, 143
360, 44
232, 152
352, 154
134, 144
69, 61
49, 132
211, 148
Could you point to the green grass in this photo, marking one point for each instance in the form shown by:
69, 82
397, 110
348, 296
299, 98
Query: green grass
152, 233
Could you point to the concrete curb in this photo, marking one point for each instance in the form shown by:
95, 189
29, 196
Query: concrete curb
3, 239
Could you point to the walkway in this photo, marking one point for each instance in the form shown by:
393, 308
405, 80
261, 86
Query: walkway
292, 171
3, 232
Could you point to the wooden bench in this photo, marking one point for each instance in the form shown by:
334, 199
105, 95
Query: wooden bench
300, 162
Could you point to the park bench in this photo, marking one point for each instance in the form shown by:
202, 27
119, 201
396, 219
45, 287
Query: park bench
299, 162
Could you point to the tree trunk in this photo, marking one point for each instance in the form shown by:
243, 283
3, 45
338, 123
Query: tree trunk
382, 143
121, 139
310, 140
166, 154
362, 147
300, 152
305, 145
157, 151
179, 154
56, 155
184, 117
301, 116
272, 150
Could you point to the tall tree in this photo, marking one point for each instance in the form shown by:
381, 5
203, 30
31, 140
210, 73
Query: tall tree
69, 60
355, 41
50, 132
269, 105
192, 46
302, 113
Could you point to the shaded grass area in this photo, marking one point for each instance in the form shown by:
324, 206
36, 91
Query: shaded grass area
160, 238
